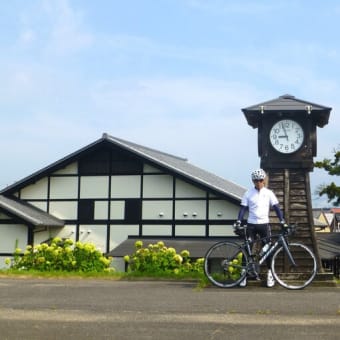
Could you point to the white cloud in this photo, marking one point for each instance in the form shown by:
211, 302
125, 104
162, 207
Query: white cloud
175, 97
27, 36
67, 31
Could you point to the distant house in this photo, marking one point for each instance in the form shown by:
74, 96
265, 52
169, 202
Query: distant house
327, 219
326, 224
113, 189
322, 220
335, 226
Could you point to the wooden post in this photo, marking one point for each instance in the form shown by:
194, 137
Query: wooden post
292, 188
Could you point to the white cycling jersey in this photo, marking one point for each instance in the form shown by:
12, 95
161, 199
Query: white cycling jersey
259, 203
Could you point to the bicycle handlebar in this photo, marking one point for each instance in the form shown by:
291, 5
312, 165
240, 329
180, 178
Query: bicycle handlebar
240, 230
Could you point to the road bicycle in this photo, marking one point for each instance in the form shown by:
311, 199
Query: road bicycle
293, 265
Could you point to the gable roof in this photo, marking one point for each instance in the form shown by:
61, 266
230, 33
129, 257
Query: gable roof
329, 218
174, 164
28, 213
287, 103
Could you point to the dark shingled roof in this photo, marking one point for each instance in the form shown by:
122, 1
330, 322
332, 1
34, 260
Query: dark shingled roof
181, 166
329, 245
173, 163
287, 103
28, 213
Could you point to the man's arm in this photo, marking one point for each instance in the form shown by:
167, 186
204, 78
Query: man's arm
279, 214
241, 213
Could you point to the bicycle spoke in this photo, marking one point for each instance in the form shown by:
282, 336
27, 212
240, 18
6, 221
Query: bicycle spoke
225, 264
295, 275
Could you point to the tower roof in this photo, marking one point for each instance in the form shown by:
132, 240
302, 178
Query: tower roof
287, 103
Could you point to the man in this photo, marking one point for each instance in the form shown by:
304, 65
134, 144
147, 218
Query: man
257, 201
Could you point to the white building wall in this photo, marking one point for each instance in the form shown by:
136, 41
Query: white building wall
117, 210
95, 234
119, 233
71, 169
101, 210
41, 236
155, 210
157, 186
195, 209
37, 190
63, 187
12, 236
184, 189
221, 230
157, 204
94, 187
219, 209
125, 186
69, 231
42, 205
64, 209
159, 230
190, 230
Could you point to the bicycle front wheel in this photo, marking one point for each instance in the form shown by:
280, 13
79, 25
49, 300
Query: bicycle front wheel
225, 264
296, 275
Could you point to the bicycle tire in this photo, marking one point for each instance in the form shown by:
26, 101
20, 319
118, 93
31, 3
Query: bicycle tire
290, 276
225, 264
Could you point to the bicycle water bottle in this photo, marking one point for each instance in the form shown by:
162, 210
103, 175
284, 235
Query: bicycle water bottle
264, 249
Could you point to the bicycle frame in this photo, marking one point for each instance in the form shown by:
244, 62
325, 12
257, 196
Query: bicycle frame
281, 241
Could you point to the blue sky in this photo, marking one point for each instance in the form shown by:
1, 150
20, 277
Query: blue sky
168, 74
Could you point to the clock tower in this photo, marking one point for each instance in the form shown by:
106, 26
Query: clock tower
286, 146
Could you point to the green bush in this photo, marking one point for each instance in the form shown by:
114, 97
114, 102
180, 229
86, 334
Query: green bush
157, 259
60, 255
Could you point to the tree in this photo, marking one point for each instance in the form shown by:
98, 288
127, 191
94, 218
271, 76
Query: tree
332, 191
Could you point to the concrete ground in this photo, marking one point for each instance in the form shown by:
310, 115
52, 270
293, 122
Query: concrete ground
105, 309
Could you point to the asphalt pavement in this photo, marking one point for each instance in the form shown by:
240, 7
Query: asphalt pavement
106, 309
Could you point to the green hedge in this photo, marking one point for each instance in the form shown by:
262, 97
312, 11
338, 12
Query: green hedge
60, 255
158, 259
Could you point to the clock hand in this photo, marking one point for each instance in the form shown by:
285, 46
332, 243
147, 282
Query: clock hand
285, 131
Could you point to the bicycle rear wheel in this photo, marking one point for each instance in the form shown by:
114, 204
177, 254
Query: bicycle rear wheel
225, 264
292, 276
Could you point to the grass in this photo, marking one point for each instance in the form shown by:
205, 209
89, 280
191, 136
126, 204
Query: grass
200, 278
102, 275
57, 274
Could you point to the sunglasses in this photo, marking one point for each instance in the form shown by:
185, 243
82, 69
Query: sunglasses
258, 180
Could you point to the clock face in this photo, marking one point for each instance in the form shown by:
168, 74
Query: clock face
286, 136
